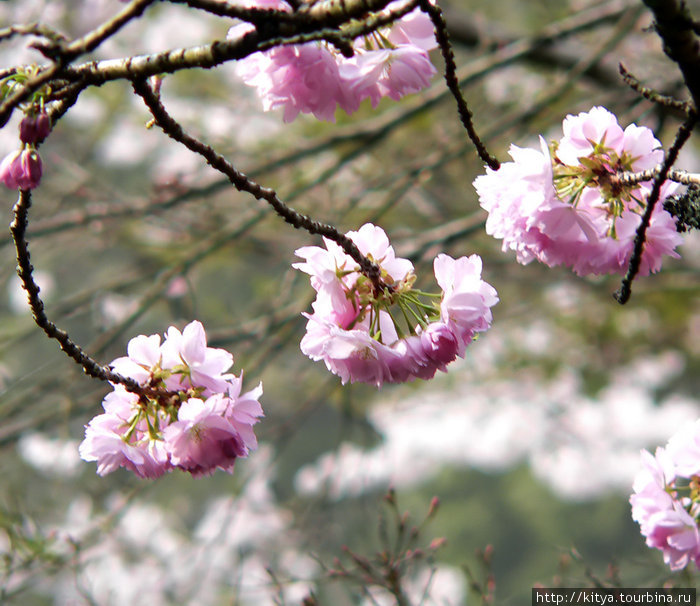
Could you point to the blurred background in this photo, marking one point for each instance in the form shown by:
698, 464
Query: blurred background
531, 443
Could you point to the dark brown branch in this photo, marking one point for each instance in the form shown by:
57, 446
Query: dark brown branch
33, 29
18, 228
93, 39
674, 24
308, 17
257, 16
652, 95
23, 93
623, 294
244, 183
465, 114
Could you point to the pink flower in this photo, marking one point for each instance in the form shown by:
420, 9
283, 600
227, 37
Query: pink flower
299, 78
439, 344
407, 70
193, 415
583, 132
667, 520
244, 411
650, 484
414, 29
352, 328
143, 356
521, 201
202, 439
114, 441
675, 533
105, 444
353, 355
21, 169
607, 255
203, 366
570, 210
324, 266
466, 300
315, 78
391, 73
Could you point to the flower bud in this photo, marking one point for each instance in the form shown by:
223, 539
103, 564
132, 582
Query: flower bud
34, 129
21, 169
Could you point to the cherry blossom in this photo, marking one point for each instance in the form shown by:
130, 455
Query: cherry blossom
203, 439
192, 417
665, 502
354, 327
565, 206
119, 438
315, 78
467, 300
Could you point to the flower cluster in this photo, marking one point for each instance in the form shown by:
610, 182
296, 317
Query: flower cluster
353, 330
22, 168
565, 205
314, 78
666, 499
192, 417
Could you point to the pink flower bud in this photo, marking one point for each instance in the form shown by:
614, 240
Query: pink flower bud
34, 129
31, 169
21, 169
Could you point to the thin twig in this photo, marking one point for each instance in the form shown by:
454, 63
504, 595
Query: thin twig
33, 29
651, 94
18, 227
465, 114
244, 183
678, 176
65, 53
23, 93
623, 294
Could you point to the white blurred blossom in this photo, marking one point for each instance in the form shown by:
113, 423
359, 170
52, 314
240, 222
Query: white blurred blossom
17, 296
568, 438
141, 553
51, 456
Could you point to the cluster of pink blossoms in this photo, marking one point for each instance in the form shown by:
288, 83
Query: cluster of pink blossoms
21, 169
353, 330
314, 78
193, 417
666, 499
564, 205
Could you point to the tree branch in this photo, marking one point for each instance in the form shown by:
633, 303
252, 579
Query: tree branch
18, 228
623, 294
465, 114
244, 183
674, 24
